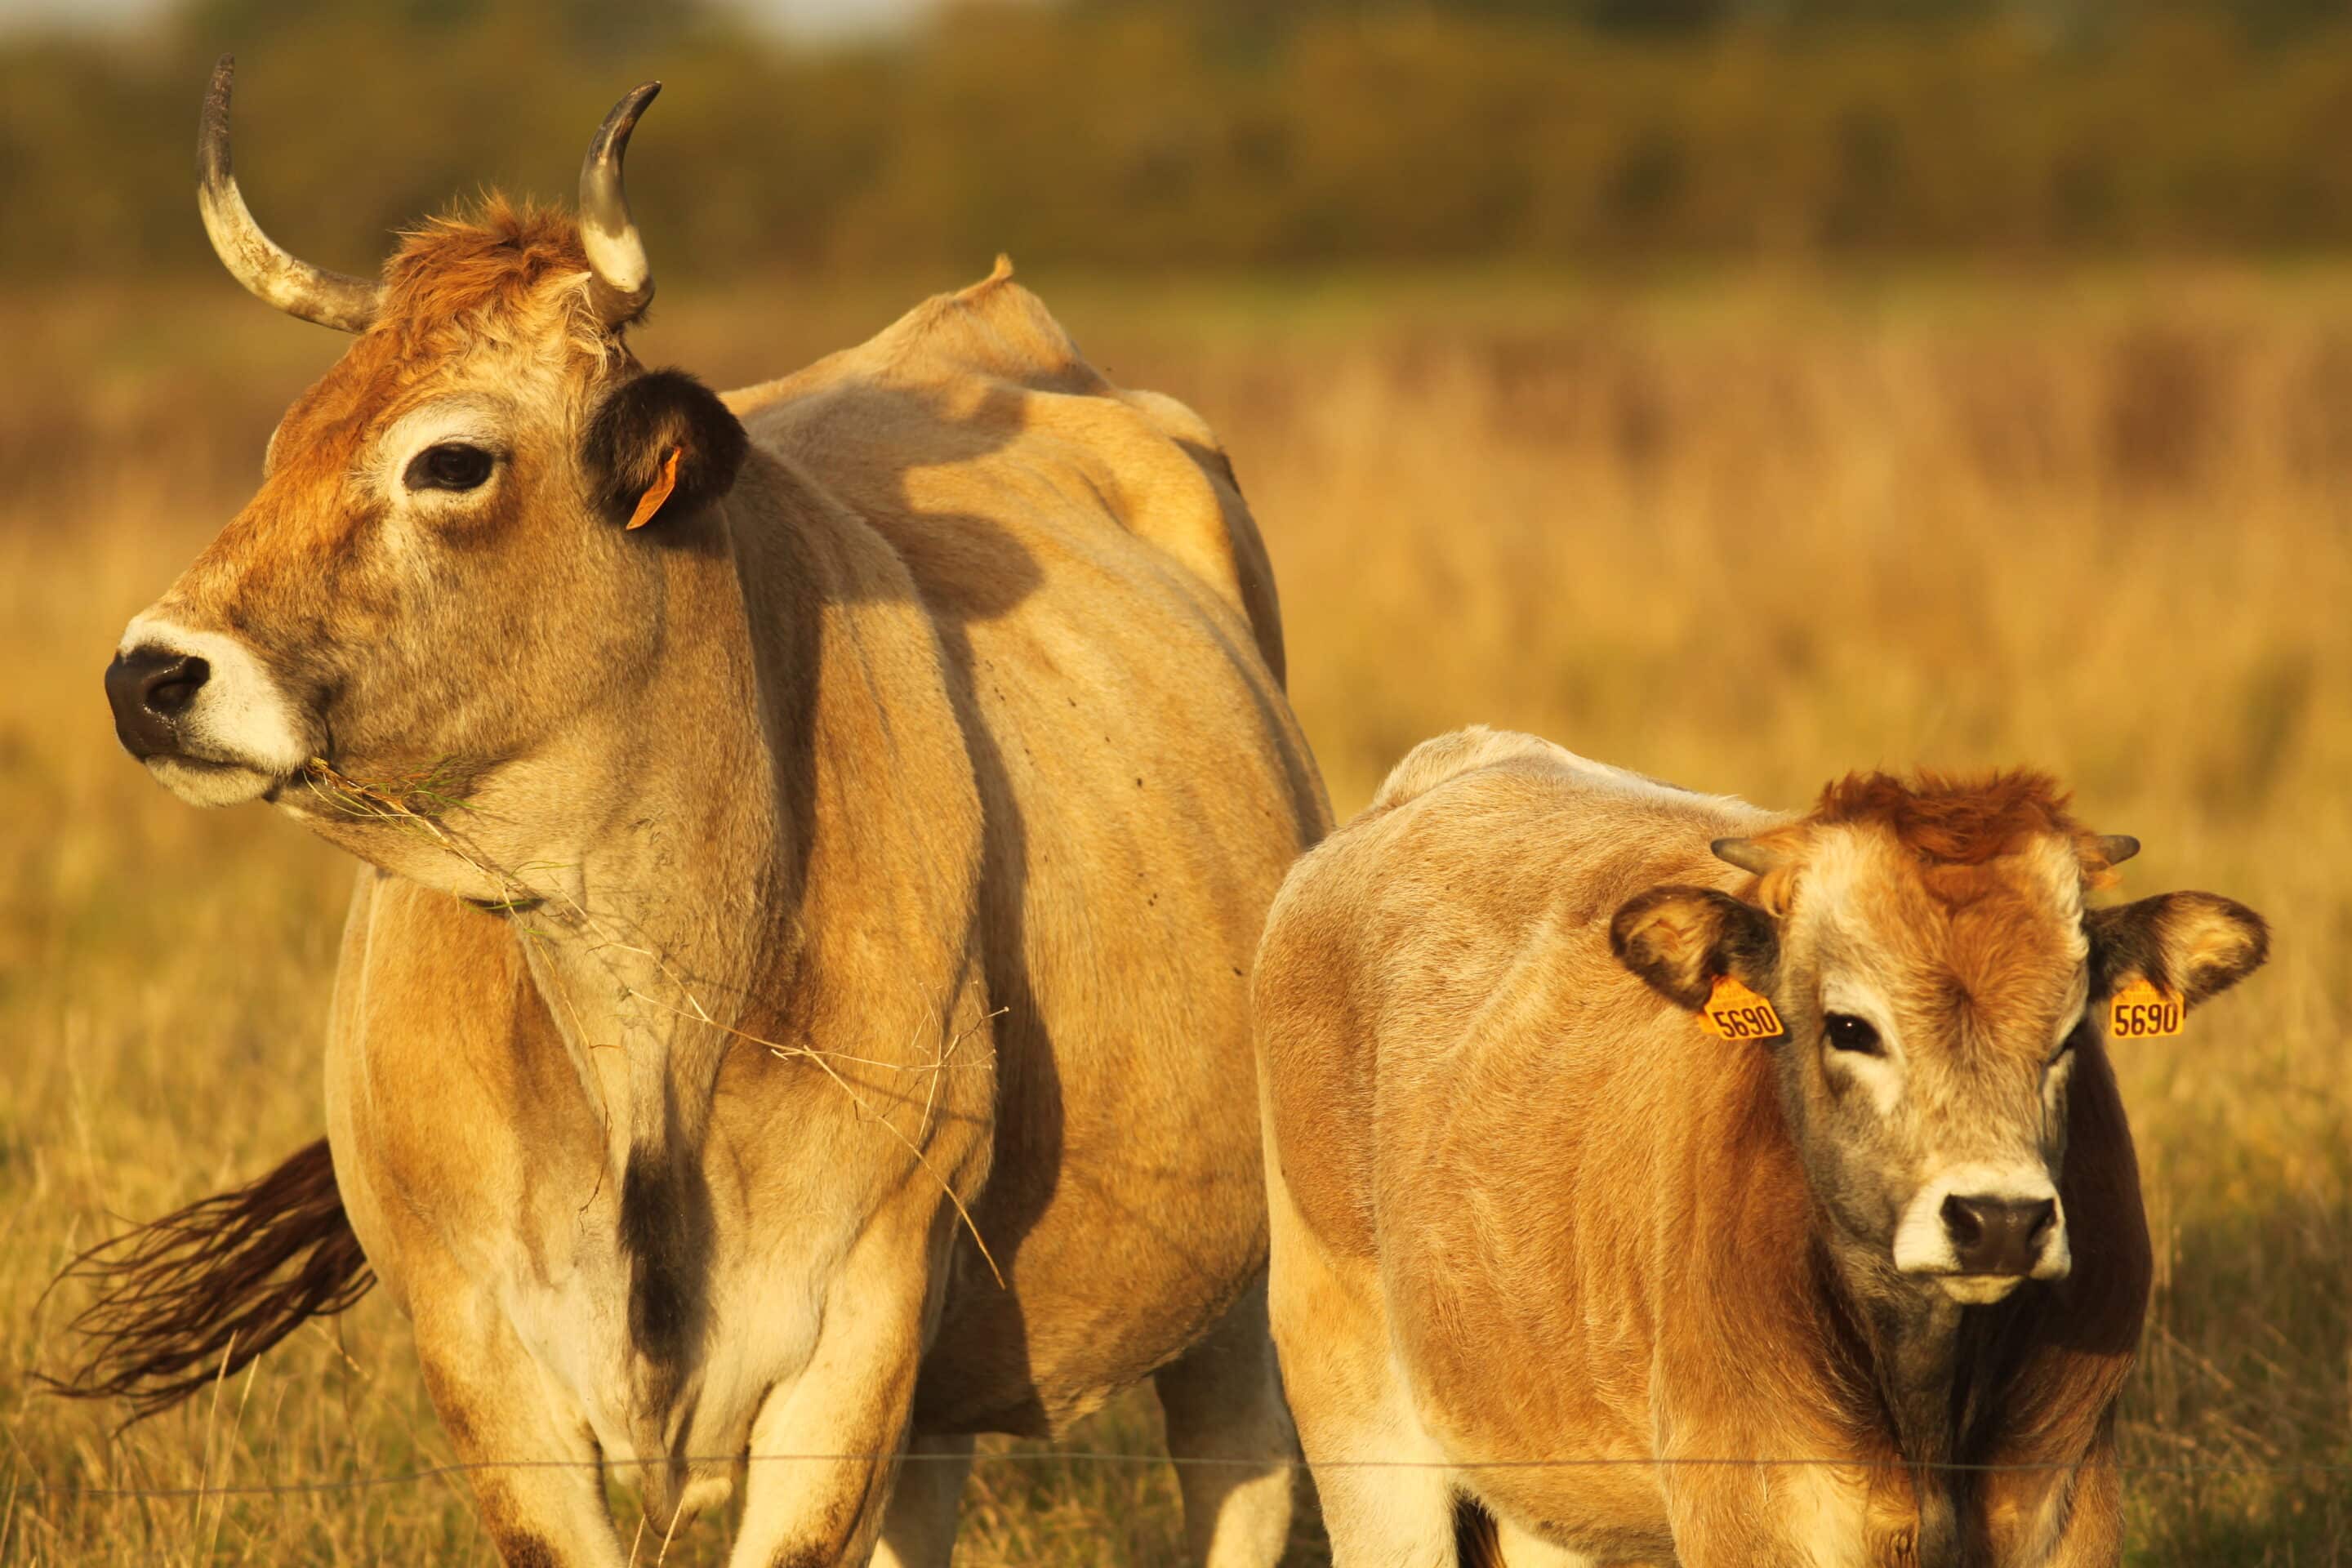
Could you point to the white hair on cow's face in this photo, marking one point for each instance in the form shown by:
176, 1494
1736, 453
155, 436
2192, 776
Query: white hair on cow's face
1853, 974
238, 736
471, 421
1923, 1246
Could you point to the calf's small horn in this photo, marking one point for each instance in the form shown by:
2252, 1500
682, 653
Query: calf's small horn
620, 279
333, 300
2116, 848
1746, 854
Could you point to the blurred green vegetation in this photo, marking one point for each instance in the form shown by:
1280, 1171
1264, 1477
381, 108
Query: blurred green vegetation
1223, 133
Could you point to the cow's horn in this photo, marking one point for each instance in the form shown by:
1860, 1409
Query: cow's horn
621, 280
2116, 848
331, 299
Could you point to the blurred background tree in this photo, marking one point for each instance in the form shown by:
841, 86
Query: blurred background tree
1219, 133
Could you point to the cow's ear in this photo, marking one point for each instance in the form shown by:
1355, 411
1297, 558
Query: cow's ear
2193, 945
1683, 940
662, 446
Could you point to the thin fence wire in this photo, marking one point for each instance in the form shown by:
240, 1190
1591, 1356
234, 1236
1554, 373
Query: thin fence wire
1048, 1456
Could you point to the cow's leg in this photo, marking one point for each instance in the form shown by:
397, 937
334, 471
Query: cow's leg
548, 1511
832, 1436
1224, 1402
920, 1530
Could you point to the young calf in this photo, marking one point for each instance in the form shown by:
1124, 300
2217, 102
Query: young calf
1749, 1300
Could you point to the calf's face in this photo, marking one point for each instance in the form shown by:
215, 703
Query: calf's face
1933, 1010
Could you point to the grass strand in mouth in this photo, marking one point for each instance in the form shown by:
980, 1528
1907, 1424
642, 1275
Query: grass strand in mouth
423, 794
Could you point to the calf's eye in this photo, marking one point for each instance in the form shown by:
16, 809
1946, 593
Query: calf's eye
450, 465
1848, 1033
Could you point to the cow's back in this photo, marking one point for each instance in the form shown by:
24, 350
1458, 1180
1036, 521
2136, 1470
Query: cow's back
977, 402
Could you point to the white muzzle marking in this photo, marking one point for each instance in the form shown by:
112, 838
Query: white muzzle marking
238, 736
1923, 1242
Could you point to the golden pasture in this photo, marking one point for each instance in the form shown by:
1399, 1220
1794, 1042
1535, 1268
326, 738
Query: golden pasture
1744, 531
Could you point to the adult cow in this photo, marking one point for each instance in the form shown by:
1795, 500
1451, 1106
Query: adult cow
796, 1002
1526, 1209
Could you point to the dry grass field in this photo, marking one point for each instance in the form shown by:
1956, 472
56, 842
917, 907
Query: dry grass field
1744, 533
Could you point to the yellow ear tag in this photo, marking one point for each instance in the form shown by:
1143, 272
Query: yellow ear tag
658, 491
2139, 1012
1736, 1013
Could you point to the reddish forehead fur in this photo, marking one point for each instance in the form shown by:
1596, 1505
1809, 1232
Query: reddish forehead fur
460, 282
1955, 821
490, 260
1993, 939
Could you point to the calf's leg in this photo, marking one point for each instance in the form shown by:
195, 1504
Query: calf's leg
1387, 1490
2089, 1517
1514, 1548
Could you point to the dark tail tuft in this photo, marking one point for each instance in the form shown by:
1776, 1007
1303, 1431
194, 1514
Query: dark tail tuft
1475, 1542
197, 1294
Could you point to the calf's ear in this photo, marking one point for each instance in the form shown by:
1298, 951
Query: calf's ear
2194, 945
1683, 940
662, 445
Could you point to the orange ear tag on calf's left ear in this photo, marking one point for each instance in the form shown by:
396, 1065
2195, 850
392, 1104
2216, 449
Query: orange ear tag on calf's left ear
658, 491
1736, 1013
2139, 1012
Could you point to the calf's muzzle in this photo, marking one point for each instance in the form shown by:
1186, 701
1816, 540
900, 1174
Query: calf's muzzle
1997, 1236
149, 689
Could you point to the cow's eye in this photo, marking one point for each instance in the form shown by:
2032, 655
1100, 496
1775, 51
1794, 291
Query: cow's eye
1848, 1033
450, 465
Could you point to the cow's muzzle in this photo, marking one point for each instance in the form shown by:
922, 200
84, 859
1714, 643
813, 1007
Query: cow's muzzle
150, 689
208, 719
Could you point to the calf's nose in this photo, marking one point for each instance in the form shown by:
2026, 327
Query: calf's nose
1997, 1236
149, 689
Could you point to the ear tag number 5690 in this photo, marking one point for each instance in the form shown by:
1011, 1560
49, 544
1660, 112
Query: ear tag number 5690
1736, 1013
2139, 1012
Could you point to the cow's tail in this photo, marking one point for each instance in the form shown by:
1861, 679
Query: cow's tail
194, 1296
1477, 1542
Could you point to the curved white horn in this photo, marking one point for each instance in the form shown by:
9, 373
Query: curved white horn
621, 278
333, 300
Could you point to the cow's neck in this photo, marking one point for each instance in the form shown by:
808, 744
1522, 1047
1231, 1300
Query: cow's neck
1935, 1368
666, 907
790, 842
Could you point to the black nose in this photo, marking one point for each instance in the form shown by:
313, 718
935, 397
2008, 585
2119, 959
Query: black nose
149, 689
1997, 1236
